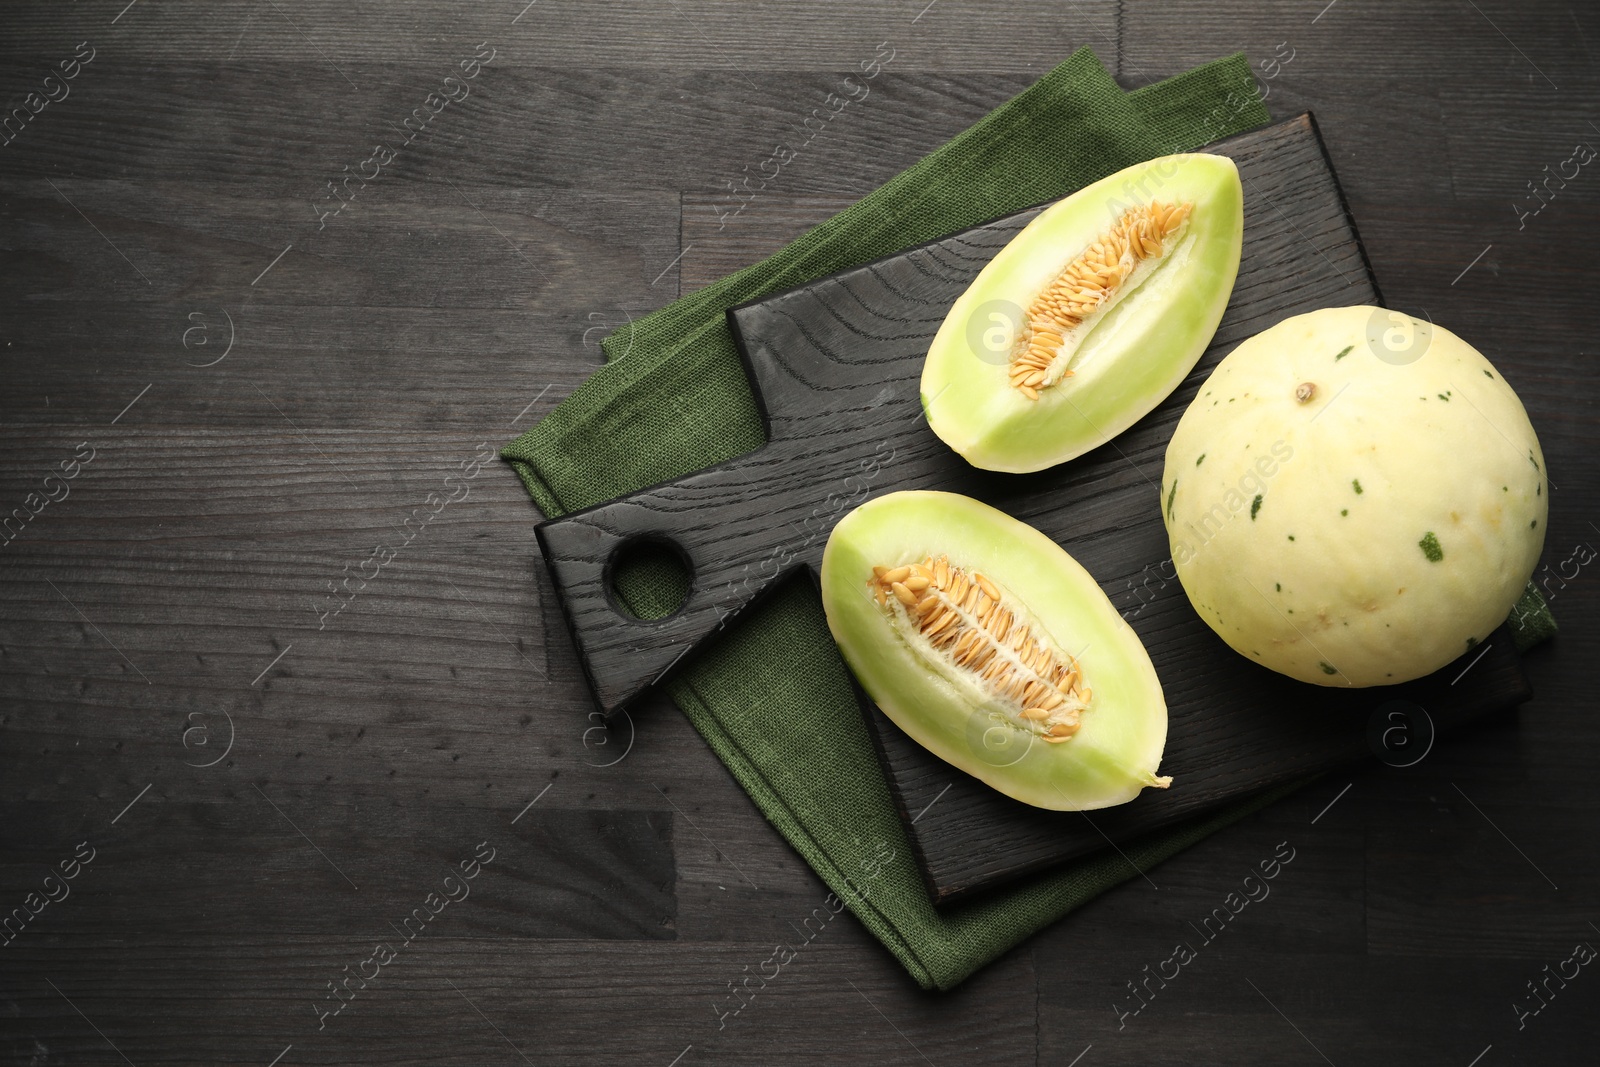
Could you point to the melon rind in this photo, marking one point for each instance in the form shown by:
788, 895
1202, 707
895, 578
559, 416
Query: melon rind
1129, 361
1327, 584
1118, 748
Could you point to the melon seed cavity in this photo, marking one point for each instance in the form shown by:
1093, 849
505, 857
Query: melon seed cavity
1088, 286
971, 624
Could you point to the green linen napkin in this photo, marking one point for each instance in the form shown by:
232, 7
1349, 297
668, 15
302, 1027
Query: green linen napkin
772, 697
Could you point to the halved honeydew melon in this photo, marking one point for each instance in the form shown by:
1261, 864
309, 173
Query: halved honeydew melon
1090, 317
994, 649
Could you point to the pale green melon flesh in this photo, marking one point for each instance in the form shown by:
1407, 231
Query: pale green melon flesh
1118, 747
1401, 508
1128, 360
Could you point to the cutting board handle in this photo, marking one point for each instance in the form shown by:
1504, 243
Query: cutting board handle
733, 538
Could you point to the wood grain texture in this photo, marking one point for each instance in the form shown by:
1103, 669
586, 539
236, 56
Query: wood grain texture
428, 714
502, 999
535, 129
750, 41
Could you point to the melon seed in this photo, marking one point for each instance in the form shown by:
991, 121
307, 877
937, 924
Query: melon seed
965, 617
1086, 284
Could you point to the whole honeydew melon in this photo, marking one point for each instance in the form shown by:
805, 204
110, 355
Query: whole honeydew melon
994, 649
1089, 317
1354, 498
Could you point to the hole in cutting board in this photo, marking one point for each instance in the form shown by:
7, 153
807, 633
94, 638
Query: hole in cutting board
648, 578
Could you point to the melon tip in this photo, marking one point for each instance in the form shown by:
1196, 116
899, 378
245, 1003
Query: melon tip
1158, 781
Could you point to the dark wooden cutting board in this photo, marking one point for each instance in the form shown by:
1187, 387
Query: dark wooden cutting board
836, 365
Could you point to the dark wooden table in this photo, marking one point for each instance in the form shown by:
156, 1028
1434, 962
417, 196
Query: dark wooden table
254, 773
